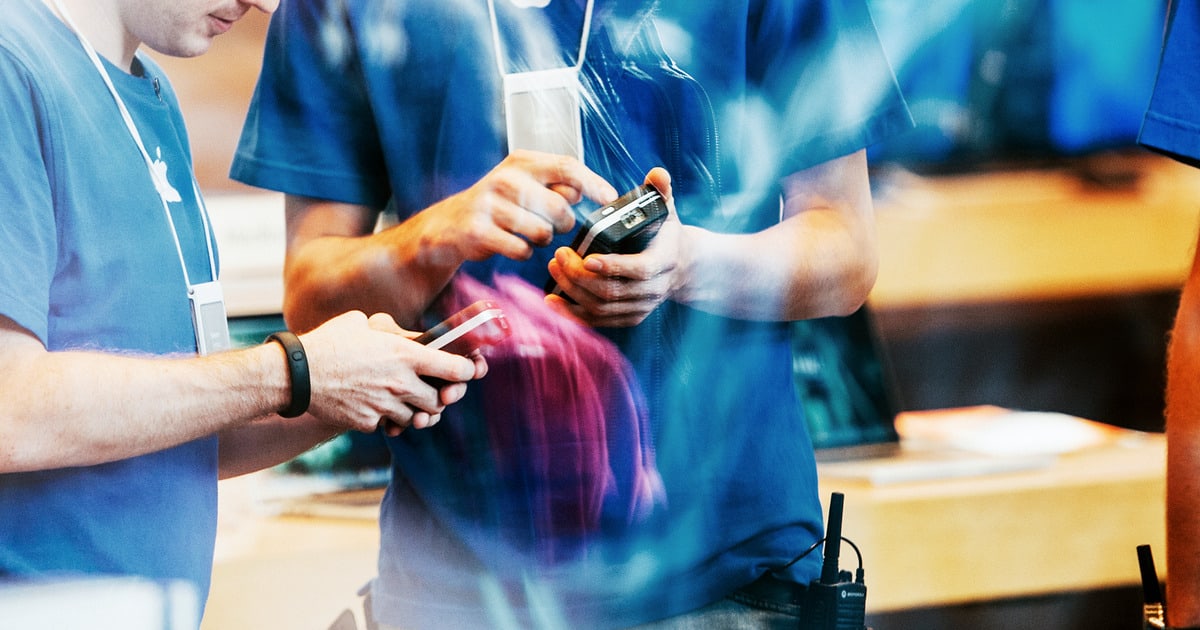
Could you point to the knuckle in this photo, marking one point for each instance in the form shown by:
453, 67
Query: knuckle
563, 166
615, 290
541, 233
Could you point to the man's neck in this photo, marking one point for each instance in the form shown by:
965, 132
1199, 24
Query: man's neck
99, 22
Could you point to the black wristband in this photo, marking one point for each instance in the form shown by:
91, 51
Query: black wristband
297, 363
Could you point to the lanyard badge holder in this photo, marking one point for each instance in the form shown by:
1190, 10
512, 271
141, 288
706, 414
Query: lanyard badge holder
209, 317
542, 111
543, 108
206, 299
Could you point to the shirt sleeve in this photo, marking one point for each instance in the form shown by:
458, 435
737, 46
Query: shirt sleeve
1172, 121
308, 130
27, 228
821, 68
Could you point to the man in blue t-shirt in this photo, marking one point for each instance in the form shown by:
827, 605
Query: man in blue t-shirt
474, 127
1172, 126
112, 431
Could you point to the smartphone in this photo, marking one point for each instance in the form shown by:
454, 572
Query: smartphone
480, 324
625, 226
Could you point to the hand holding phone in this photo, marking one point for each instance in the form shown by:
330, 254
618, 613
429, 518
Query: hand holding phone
625, 226
480, 324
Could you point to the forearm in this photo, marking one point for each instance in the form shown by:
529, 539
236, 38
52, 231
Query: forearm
334, 266
1183, 525
75, 408
268, 442
820, 260
332, 275
802, 268
1183, 461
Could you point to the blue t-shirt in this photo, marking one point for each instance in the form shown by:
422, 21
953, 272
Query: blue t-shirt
87, 262
399, 104
1172, 121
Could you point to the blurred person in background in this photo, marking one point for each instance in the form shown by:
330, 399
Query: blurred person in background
637, 455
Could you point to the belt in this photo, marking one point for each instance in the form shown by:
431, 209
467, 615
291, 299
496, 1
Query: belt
769, 588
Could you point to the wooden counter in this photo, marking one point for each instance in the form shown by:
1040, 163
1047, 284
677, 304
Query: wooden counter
1034, 235
279, 572
1072, 526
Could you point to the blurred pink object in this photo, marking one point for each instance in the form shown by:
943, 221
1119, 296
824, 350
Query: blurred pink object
567, 422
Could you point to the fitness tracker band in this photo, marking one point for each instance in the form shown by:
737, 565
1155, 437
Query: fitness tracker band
297, 363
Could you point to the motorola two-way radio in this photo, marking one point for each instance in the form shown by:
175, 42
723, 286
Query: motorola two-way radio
837, 600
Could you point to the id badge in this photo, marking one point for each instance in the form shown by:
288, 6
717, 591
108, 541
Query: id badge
208, 317
542, 111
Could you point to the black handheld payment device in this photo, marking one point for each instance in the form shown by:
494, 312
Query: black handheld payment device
625, 226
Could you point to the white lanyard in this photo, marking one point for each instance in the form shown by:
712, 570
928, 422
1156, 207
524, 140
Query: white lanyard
543, 108
206, 299
583, 37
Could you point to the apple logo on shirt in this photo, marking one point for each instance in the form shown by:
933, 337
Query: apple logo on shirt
159, 173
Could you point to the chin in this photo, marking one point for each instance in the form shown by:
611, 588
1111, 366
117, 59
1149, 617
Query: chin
193, 47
